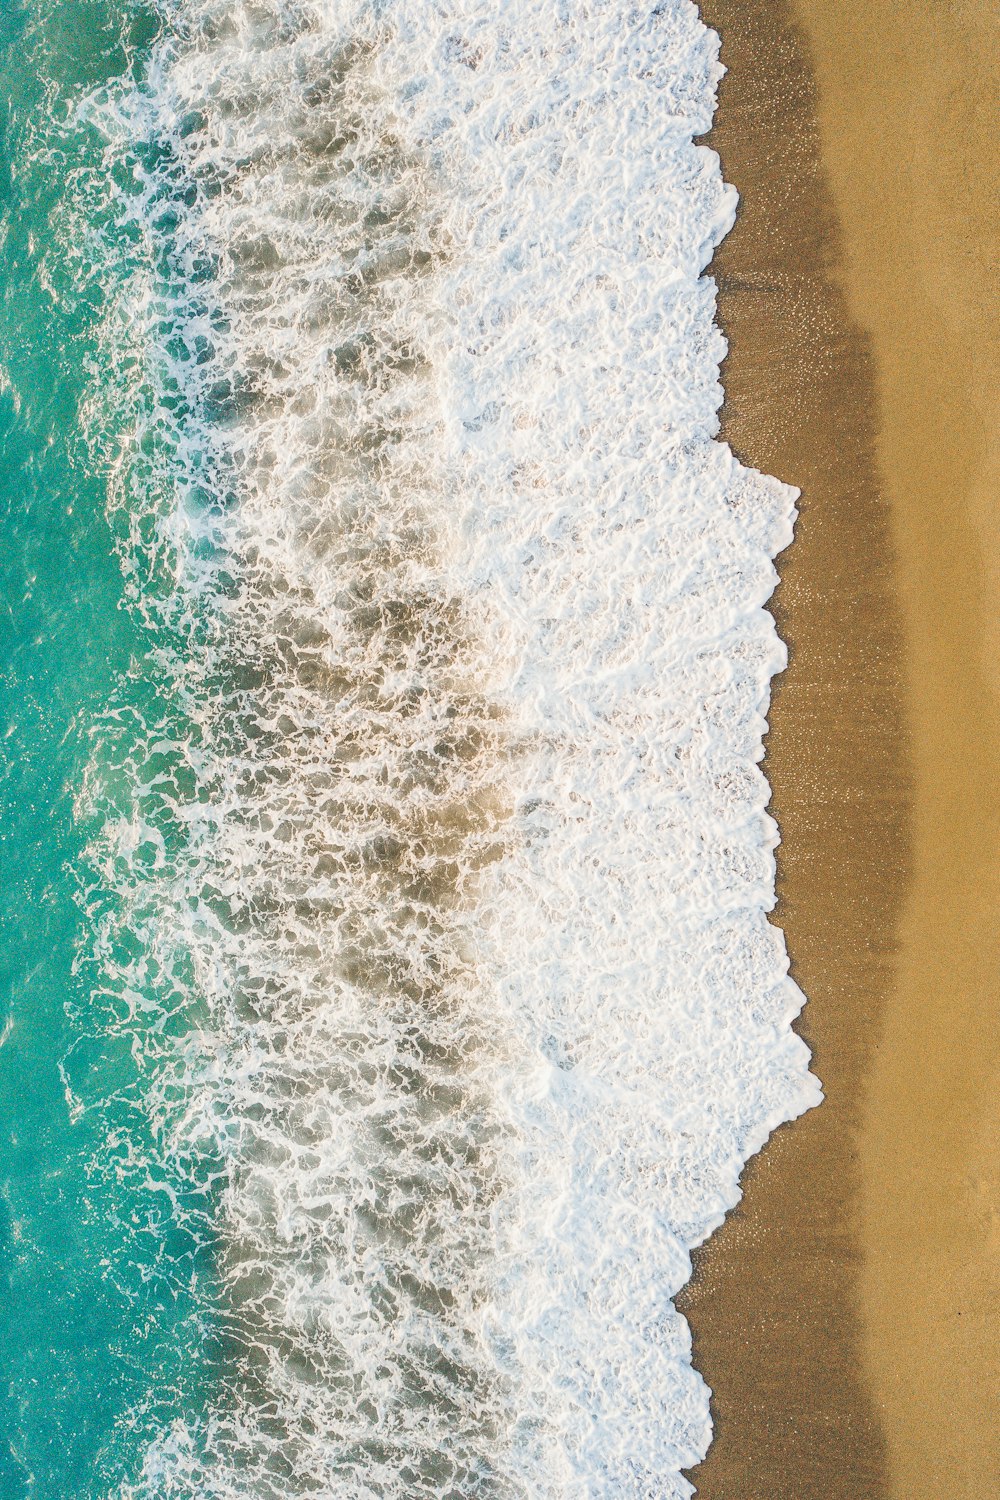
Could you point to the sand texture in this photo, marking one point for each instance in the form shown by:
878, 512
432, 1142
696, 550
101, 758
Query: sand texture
846, 1314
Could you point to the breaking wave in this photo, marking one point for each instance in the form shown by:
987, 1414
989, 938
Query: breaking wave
432, 865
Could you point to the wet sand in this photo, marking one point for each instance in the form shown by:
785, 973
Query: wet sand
845, 1315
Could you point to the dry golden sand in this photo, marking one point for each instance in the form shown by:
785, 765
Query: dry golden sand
846, 1315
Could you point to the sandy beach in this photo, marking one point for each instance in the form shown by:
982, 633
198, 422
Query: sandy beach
846, 1314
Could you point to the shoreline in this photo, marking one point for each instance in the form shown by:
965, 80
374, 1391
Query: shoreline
843, 1313
775, 1301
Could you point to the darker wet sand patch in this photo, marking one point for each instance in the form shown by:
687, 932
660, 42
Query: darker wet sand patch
775, 1302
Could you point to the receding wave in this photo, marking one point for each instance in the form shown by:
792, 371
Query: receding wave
433, 865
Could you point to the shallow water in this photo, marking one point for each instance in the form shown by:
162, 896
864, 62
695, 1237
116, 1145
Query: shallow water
395, 1002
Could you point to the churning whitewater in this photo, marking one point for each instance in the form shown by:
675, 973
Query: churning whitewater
432, 864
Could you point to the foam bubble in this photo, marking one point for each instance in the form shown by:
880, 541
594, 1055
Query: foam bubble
435, 864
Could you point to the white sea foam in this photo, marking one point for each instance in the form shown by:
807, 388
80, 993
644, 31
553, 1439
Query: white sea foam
435, 864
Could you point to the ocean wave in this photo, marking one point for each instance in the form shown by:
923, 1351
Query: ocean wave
434, 863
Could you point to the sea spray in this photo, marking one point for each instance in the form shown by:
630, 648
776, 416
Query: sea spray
431, 884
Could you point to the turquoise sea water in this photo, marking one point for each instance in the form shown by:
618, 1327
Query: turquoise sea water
89, 1335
